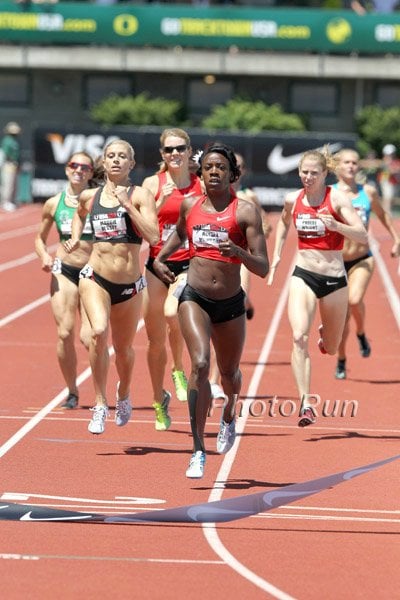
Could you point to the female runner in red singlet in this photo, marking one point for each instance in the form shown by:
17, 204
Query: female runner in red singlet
224, 232
170, 186
323, 216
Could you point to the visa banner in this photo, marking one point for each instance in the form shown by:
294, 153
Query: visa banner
271, 158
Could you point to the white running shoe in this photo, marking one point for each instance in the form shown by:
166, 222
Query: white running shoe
226, 436
96, 425
195, 469
217, 391
123, 410
8, 206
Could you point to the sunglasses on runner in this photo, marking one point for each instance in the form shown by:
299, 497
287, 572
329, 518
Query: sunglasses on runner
170, 149
75, 166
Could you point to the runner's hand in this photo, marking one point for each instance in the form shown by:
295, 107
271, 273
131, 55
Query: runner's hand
163, 272
70, 245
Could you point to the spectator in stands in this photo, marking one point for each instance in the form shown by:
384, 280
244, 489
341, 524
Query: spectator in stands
10, 157
378, 6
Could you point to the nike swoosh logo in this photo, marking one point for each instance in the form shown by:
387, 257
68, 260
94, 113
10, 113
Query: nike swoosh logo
279, 164
332, 282
222, 218
188, 194
27, 517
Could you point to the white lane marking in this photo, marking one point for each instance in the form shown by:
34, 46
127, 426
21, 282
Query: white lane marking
120, 500
210, 530
17, 262
10, 235
28, 307
98, 509
336, 509
391, 292
325, 518
31, 424
25, 309
172, 561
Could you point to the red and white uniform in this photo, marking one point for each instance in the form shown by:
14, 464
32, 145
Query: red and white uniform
311, 230
206, 230
169, 214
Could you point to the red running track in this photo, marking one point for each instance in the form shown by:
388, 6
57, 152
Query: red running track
341, 543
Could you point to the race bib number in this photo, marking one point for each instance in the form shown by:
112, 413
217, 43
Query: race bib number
86, 272
309, 227
66, 225
110, 227
181, 282
56, 269
362, 213
169, 228
207, 236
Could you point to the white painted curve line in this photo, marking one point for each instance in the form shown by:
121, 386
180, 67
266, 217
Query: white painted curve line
25, 429
25, 309
32, 305
10, 235
21, 433
391, 292
210, 530
18, 262
25, 496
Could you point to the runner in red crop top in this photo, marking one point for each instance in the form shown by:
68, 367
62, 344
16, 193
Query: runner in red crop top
224, 232
168, 214
206, 231
323, 216
311, 230
170, 186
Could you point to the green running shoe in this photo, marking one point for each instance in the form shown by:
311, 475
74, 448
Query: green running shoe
163, 420
180, 383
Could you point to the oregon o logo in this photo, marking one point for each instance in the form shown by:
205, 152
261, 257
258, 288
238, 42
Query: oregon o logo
126, 25
338, 31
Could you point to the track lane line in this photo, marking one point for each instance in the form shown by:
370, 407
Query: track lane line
173, 561
35, 303
31, 424
20, 231
210, 530
23, 260
391, 292
24, 310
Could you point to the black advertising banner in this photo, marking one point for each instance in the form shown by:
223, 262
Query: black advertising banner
271, 158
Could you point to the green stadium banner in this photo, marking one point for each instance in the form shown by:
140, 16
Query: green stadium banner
185, 25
